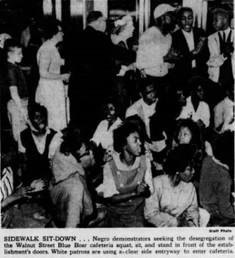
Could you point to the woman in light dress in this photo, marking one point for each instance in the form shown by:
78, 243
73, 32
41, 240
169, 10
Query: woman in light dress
174, 201
51, 91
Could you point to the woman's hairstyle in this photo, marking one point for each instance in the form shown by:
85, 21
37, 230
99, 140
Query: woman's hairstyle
220, 11
72, 140
51, 28
35, 107
193, 128
93, 16
122, 132
179, 158
120, 24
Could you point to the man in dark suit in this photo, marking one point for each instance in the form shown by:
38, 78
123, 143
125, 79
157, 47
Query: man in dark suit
93, 72
190, 45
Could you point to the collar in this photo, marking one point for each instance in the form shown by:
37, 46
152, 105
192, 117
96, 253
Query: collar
122, 166
146, 106
187, 34
47, 132
225, 31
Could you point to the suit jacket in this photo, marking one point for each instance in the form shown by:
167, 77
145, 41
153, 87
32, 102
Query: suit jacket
216, 59
95, 55
184, 66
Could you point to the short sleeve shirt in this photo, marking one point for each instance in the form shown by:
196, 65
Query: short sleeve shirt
15, 77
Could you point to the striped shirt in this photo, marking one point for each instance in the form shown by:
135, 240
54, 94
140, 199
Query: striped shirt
6, 183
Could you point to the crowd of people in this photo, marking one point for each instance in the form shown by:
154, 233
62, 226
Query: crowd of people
105, 130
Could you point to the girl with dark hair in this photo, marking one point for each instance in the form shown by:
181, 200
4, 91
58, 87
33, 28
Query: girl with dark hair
51, 91
188, 132
127, 179
174, 201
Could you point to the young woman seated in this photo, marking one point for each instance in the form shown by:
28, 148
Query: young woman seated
127, 179
174, 201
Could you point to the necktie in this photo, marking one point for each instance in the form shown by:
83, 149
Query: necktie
224, 37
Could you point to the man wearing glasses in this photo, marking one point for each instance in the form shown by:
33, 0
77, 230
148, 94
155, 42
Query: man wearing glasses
72, 203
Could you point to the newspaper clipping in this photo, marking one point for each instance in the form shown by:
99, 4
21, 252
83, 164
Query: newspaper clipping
149, 177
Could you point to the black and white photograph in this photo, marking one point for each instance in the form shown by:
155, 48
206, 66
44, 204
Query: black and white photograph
117, 114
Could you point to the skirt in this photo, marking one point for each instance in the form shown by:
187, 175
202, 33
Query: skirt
52, 95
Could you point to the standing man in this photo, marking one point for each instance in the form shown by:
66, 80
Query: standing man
153, 55
190, 44
221, 47
94, 72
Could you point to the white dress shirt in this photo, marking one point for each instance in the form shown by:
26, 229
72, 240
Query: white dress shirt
190, 41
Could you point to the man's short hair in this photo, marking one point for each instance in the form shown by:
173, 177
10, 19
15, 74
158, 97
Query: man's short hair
35, 107
220, 11
93, 16
184, 9
11, 44
145, 83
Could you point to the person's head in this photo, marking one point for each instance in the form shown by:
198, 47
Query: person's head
220, 19
141, 126
14, 51
188, 132
197, 85
97, 21
73, 143
127, 138
3, 38
163, 16
54, 29
124, 27
148, 91
180, 98
185, 17
38, 117
179, 163
109, 108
